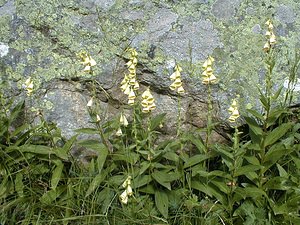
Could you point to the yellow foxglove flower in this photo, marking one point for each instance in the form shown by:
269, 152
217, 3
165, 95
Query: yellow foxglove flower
147, 102
207, 75
131, 95
234, 112
130, 102
127, 182
90, 103
119, 132
98, 118
180, 90
136, 86
87, 61
123, 120
28, 86
124, 197
176, 77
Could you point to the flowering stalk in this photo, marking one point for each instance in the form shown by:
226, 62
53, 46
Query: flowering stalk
208, 78
177, 86
129, 84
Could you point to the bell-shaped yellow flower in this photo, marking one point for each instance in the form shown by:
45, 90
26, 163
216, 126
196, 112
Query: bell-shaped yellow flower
234, 112
176, 78
147, 102
207, 75
123, 120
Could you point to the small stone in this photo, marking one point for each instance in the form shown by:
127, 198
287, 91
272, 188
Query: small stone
3, 49
285, 14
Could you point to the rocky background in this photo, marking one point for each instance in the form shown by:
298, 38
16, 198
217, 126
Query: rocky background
41, 38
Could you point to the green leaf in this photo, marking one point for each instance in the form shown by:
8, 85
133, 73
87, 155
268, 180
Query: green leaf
282, 171
195, 160
277, 133
19, 186
145, 165
276, 183
50, 196
142, 180
246, 169
275, 153
16, 111
103, 152
162, 202
56, 175
37, 149
87, 131
254, 126
256, 114
162, 178
198, 142
98, 179
221, 185
156, 121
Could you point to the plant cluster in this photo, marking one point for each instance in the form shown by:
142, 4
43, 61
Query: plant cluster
134, 178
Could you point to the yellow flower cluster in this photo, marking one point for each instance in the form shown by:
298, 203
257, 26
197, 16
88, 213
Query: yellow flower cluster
147, 102
123, 122
28, 86
176, 77
207, 76
87, 61
127, 192
233, 110
271, 37
129, 84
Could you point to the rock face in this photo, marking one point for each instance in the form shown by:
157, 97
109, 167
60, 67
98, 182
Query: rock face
40, 39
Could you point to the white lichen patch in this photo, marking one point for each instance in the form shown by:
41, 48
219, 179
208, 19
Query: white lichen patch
3, 49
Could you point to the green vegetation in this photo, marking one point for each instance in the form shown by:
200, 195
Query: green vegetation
135, 177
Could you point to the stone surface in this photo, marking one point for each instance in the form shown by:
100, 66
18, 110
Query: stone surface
42, 38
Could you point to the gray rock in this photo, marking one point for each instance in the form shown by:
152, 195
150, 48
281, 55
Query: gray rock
285, 14
3, 49
199, 35
8, 8
225, 9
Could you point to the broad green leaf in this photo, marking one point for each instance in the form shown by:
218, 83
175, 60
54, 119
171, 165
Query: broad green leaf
275, 153
140, 181
87, 131
156, 121
98, 179
210, 190
221, 185
296, 161
37, 149
162, 202
254, 126
282, 171
252, 160
50, 196
277, 183
198, 142
246, 169
195, 160
277, 133
172, 156
19, 186
103, 152
145, 165
162, 178
256, 114
57, 173
16, 111
277, 93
